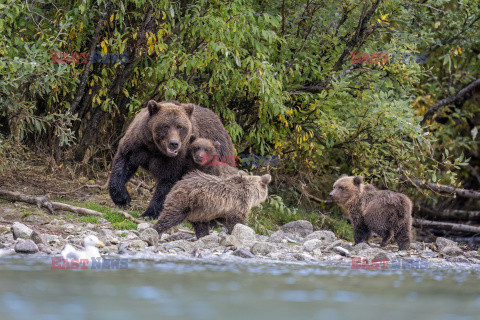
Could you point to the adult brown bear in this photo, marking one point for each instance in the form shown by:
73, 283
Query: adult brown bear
157, 140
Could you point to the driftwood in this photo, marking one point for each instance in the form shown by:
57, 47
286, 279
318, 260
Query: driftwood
448, 226
141, 184
51, 206
447, 189
453, 214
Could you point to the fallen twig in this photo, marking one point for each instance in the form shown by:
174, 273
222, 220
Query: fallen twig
141, 184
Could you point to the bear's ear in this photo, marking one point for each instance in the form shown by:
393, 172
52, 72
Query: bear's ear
153, 107
266, 178
343, 175
192, 138
189, 109
242, 173
357, 180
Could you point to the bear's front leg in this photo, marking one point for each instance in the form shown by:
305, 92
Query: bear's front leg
361, 232
122, 171
156, 204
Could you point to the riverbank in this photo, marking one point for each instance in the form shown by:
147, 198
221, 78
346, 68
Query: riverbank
295, 242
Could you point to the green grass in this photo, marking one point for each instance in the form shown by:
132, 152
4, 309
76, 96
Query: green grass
117, 220
268, 217
29, 213
89, 219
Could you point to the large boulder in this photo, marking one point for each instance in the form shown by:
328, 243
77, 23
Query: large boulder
26, 246
244, 236
301, 228
327, 237
21, 231
263, 248
443, 243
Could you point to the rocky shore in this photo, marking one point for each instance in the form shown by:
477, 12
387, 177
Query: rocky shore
294, 242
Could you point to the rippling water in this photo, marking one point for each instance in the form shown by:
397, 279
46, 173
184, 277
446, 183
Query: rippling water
30, 289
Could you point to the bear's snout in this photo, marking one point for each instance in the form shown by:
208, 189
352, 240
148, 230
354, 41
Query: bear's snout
173, 147
173, 144
330, 194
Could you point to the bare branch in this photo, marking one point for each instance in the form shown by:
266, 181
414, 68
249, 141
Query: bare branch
447, 189
446, 226
450, 100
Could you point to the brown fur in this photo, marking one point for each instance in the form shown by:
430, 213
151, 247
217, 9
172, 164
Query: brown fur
385, 212
203, 156
201, 198
158, 140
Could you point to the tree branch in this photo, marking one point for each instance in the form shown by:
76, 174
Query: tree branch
360, 34
447, 189
450, 100
86, 70
446, 226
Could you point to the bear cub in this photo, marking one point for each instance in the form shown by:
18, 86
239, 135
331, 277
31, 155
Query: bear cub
200, 198
203, 155
385, 212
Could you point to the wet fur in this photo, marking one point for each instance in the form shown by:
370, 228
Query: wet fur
385, 212
200, 198
144, 145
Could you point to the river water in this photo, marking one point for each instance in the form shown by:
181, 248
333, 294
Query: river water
200, 289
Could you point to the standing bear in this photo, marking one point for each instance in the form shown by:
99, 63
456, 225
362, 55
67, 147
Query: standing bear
201, 198
157, 140
385, 212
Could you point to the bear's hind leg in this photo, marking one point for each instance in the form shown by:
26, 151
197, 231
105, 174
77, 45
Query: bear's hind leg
387, 238
230, 222
170, 218
402, 237
201, 229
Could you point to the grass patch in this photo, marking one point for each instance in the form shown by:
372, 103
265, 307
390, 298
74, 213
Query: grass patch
90, 219
29, 213
117, 220
268, 217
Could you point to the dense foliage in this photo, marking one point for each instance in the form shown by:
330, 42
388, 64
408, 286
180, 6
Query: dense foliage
300, 79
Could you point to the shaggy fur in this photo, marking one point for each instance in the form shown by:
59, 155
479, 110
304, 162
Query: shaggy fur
387, 213
200, 198
157, 140
203, 155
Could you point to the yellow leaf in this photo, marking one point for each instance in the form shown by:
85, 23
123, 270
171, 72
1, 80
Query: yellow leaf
104, 47
111, 18
436, 25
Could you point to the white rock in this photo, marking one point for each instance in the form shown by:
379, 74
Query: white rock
21, 231
244, 235
312, 244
